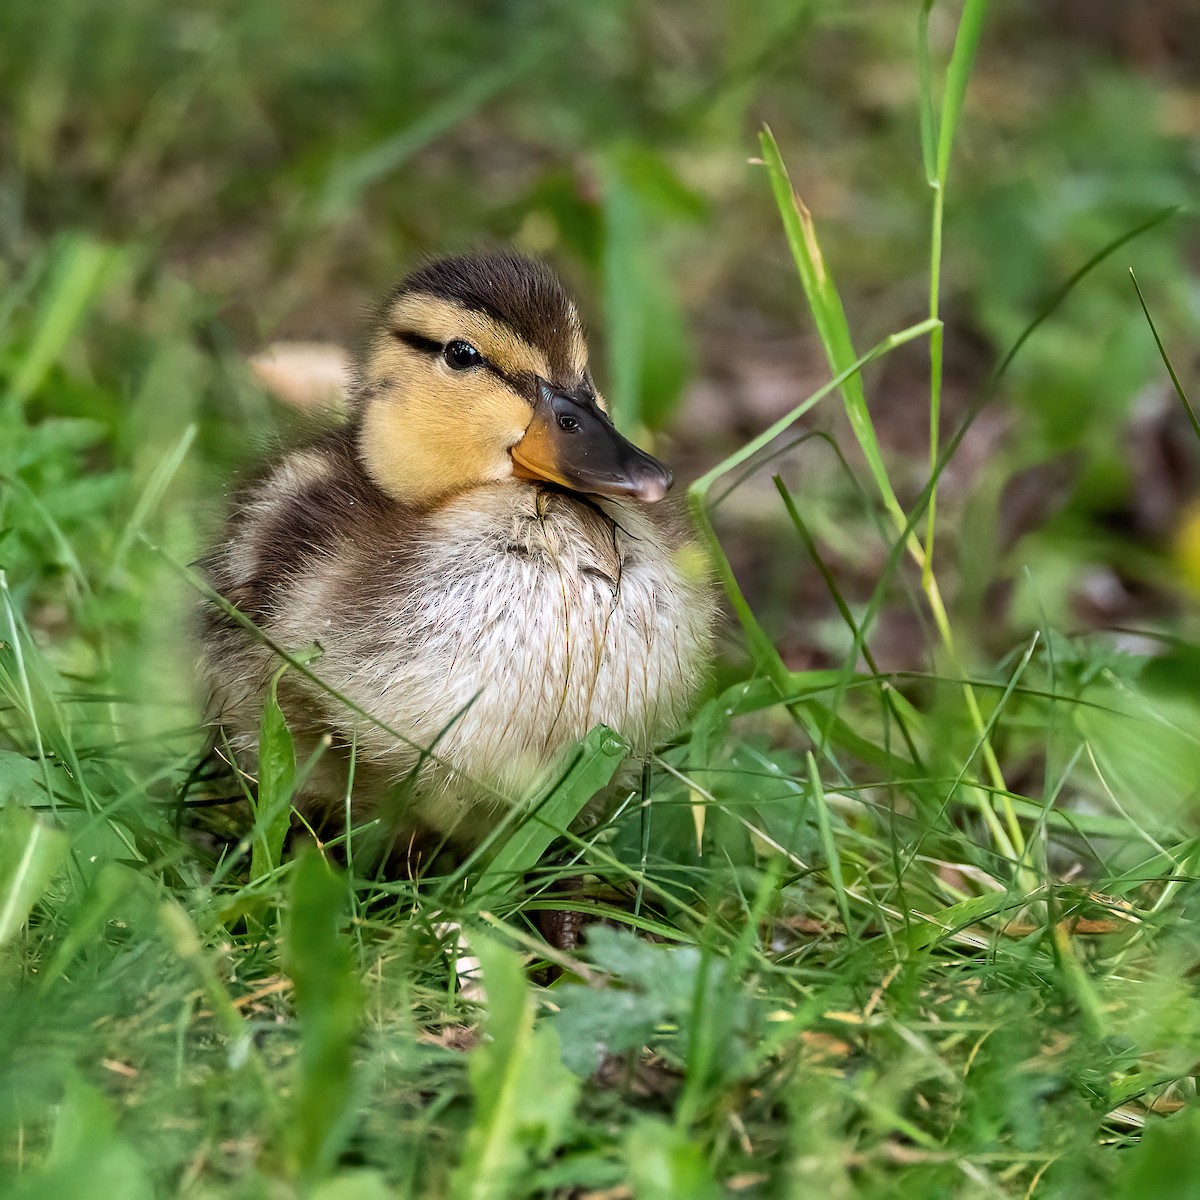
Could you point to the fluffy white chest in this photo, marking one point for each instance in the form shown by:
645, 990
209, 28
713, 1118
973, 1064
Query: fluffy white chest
512, 630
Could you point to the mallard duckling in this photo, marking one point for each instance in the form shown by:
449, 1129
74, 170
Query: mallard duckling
476, 553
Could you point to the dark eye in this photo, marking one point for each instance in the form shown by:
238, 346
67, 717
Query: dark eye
460, 355
567, 424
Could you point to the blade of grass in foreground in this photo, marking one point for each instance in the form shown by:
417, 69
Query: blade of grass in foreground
329, 1002
599, 756
958, 74
1051, 306
276, 782
1162, 352
762, 649
30, 853
524, 1096
828, 843
77, 273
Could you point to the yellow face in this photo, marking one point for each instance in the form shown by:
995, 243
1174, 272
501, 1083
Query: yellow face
452, 399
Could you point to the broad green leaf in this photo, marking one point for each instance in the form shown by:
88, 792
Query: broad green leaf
649, 985
89, 1156
1166, 1164
667, 356
354, 1185
649, 356
276, 782
595, 763
21, 780
665, 1164
329, 1005
30, 852
524, 1096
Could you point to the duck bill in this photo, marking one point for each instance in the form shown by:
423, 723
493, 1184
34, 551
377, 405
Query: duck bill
571, 442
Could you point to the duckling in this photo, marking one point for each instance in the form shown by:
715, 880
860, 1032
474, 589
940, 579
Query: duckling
479, 556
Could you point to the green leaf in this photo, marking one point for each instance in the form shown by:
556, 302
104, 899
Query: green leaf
524, 1096
354, 1185
20, 780
88, 1157
664, 1164
649, 355
329, 1003
276, 782
595, 763
1166, 1163
666, 362
56, 438
651, 984
30, 853
351, 176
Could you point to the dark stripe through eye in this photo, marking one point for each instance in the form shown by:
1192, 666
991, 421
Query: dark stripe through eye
418, 341
523, 383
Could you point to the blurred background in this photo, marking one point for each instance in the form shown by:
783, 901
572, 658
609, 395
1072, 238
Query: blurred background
182, 185
185, 184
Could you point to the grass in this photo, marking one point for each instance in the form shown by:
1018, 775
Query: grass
869, 931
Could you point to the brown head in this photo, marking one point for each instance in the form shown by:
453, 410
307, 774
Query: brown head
476, 371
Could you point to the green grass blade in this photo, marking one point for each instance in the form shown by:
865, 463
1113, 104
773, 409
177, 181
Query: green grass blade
596, 762
828, 314
887, 694
1058, 296
700, 488
329, 1004
761, 647
929, 135
76, 276
160, 479
524, 1096
30, 853
351, 177
1162, 352
958, 74
276, 783
829, 844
